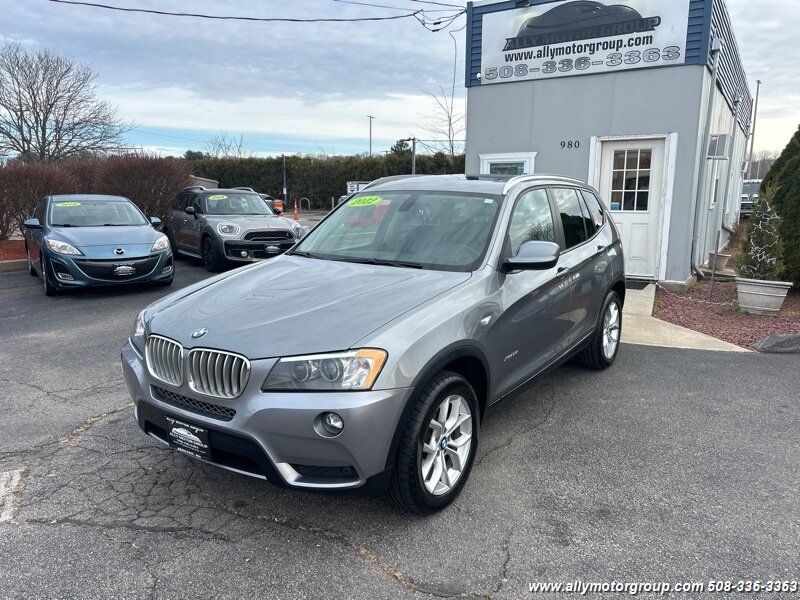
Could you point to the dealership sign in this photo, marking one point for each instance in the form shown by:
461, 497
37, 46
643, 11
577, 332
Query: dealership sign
576, 37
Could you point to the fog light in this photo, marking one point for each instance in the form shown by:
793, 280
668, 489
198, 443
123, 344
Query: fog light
243, 253
167, 269
332, 423
65, 276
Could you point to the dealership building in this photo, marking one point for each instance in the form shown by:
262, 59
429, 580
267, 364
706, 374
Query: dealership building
647, 100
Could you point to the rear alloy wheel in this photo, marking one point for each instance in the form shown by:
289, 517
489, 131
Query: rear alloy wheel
49, 288
211, 258
602, 349
438, 446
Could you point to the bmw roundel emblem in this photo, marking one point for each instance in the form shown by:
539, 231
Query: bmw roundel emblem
198, 333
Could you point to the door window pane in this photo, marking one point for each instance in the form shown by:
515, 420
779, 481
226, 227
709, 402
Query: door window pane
507, 168
531, 221
630, 179
572, 217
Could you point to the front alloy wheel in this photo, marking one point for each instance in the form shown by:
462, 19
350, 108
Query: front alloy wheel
604, 343
449, 439
437, 446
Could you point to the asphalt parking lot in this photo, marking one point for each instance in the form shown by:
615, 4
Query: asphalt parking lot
673, 466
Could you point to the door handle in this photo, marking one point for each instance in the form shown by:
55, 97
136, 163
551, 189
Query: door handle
562, 272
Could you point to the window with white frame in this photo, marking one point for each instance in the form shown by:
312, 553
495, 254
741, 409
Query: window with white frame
630, 180
509, 163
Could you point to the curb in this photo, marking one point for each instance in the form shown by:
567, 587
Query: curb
7, 266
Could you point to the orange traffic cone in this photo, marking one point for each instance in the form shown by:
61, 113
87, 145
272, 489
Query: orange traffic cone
296, 215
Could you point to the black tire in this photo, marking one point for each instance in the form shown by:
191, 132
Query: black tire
594, 356
212, 260
175, 252
31, 268
407, 489
49, 288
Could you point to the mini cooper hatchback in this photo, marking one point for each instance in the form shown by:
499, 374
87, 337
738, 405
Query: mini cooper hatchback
368, 354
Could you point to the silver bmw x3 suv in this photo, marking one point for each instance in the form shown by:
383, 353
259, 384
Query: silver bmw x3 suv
368, 354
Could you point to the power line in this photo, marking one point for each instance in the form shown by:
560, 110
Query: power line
438, 3
427, 10
239, 18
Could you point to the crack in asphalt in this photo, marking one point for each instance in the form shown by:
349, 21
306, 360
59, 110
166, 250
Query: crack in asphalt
514, 437
131, 527
360, 550
503, 576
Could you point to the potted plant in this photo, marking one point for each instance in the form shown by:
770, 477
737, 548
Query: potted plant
760, 264
718, 261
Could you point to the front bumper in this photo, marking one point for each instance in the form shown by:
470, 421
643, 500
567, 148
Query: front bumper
80, 271
272, 435
255, 250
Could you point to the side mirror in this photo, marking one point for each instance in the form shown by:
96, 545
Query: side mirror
189, 210
155, 221
534, 256
303, 232
32, 224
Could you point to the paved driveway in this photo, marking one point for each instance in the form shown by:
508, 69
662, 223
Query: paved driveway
673, 466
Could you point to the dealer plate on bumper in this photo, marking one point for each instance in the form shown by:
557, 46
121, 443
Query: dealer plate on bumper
187, 438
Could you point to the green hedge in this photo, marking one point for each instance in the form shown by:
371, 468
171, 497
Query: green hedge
316, 178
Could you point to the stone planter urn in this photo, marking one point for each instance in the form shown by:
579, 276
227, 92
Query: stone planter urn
761, 297
718, 261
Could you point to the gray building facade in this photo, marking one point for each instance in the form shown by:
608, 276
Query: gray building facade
618, 93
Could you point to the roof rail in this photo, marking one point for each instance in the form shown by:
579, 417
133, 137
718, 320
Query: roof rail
537, 177
245, 189
194, 188
387, 180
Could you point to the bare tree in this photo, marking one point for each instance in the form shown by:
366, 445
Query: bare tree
445, 124
225, 146
49, 108
763, 161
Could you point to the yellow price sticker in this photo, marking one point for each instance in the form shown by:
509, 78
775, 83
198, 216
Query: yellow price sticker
216, 197
365, 201
68, 204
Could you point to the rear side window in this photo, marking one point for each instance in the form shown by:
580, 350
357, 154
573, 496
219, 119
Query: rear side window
531, 221
573, 217
595, 211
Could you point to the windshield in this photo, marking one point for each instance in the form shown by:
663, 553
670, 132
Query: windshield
95, 213
436, 230
236, 203
751, 187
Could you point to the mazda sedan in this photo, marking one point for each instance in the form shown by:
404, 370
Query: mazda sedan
368, 355
84, 240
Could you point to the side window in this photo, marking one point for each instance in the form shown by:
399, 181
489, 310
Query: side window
195, 201
531, 220
572, 216
595, 210
180, 202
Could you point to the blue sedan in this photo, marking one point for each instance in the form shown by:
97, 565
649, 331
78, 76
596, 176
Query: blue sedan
84, 240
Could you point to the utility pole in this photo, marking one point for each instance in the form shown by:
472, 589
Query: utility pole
413, 141
285, 199
753, 133
370, 117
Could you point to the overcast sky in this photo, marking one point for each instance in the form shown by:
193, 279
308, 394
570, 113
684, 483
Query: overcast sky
308, 87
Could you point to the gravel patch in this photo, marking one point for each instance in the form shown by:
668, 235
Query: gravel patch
723, 320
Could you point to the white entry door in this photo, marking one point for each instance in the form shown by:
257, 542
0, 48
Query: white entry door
632, 182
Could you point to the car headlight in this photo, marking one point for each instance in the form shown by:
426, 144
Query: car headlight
138, 333
62, 247
228, 229
162, 243
354, 370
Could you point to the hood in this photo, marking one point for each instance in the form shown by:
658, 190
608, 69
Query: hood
251, 221
100, 242
293, 305
105, 236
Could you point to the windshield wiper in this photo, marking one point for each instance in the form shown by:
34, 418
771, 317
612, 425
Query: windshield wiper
63, 225
383, 262
307, 255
